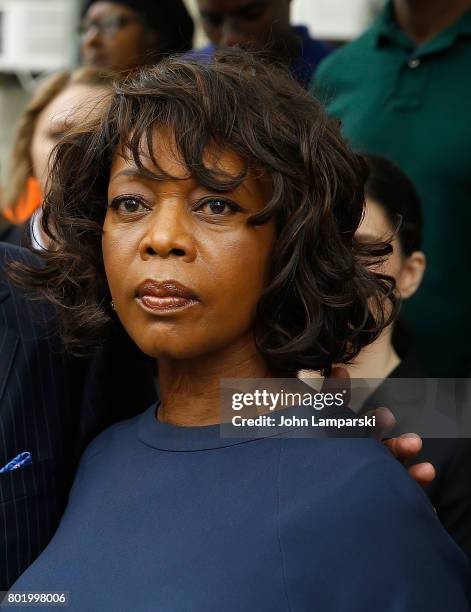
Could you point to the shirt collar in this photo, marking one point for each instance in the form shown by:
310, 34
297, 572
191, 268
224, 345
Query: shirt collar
387, 32
311, 53
163, 436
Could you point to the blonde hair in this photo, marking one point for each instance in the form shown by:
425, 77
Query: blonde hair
20, 160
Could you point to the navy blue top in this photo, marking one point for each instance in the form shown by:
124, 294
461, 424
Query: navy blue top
311, 54
177, 519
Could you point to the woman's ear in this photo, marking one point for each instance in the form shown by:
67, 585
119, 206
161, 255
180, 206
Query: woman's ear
412, 272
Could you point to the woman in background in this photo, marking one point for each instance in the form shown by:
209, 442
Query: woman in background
393, 208
60, 102
393, 212
127, 34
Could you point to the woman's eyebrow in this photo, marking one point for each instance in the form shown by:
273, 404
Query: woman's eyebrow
131, 172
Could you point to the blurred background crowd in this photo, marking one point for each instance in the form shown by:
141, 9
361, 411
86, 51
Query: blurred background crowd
395, 73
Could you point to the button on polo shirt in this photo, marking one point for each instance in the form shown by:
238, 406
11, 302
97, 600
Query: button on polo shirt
414, 63
412, 105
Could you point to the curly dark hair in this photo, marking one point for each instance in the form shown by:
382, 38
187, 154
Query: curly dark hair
323, 302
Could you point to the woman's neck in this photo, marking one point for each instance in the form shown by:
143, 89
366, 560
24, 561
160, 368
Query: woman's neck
377, 360
190, 389
374, 364
422, 20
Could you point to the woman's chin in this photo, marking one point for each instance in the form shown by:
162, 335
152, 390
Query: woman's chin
181, 347
164, 351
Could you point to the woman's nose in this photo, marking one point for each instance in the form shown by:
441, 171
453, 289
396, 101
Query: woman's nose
168, 234
92, 38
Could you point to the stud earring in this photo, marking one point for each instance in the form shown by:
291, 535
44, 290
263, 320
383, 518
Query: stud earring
112, 305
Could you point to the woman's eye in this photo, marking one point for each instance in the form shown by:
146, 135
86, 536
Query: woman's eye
218, 207
127, 205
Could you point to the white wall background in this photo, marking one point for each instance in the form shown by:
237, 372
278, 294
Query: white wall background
335, 19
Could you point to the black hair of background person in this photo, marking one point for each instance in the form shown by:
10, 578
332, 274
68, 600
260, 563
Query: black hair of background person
392, 189
48, 406
450, 491
170, 18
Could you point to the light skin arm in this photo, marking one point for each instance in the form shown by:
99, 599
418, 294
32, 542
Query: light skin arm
406, 447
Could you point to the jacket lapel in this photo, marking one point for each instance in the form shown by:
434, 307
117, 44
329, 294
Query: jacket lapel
4, 292
8, 345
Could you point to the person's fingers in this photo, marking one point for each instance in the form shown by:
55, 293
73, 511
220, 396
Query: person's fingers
384, 422
404, 447
422, 473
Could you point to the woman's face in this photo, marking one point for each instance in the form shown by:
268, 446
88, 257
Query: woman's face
114, 37
184, 267
72, 106
408, 270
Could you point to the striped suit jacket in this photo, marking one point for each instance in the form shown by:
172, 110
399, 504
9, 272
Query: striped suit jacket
51, 405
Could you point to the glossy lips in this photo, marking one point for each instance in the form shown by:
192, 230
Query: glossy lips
165, 296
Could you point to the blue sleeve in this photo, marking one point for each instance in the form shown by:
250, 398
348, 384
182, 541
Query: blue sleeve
358, 534
204, 55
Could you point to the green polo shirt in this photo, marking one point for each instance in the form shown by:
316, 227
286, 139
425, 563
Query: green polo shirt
413, 105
